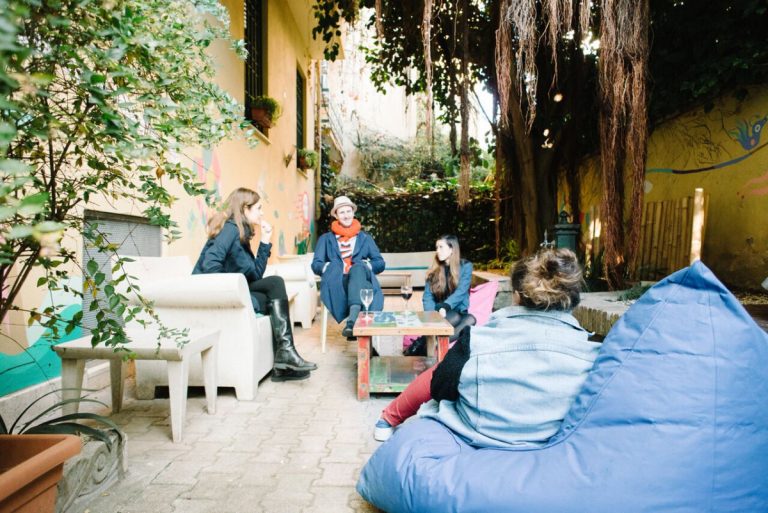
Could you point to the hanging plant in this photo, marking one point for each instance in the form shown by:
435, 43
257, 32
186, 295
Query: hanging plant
307, 159
265, 111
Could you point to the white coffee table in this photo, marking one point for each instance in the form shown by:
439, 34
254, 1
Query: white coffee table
144, 345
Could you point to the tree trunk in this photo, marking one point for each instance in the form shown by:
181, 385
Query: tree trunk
526, 164
464, 172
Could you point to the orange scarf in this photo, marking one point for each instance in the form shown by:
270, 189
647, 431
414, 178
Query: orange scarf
343, 235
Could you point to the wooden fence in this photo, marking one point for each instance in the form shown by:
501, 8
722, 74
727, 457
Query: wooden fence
671, 235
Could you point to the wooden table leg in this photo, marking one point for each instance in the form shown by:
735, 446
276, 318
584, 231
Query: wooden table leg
442, 347
72, 370
363, 368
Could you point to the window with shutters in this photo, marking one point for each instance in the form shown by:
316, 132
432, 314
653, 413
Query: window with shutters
300, 110
254, 42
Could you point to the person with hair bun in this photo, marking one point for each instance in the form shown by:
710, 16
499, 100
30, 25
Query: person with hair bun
511, 381
228, 250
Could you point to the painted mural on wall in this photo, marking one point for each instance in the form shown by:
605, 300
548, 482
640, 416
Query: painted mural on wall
300, 214
208, 171
697, 136
755, 187
38, 363
302, 211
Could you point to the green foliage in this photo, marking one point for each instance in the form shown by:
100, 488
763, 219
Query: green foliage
635, 292
398, 57
329, 15
391, 162
412, 218
271, 107
510, 253
702, 50
99, 101
307, 158
43, 424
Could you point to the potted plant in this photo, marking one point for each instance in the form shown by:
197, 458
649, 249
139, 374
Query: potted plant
307, 159
265, 111
34, 452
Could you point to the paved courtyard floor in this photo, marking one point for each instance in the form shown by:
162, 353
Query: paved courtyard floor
298, 447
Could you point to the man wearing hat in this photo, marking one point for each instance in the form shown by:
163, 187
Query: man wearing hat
348, 261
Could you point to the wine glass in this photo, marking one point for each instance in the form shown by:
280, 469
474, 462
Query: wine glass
406, 291
366, 296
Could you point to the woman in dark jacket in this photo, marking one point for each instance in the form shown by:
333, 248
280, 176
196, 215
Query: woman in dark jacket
228, 250
348, 261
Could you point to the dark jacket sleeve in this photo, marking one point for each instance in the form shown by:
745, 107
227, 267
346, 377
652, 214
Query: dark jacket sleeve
374, 255
428, 299
320, 257
260, 262
445, 380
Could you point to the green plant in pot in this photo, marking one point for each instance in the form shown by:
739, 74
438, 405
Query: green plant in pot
34, 451
265, 111
307, 159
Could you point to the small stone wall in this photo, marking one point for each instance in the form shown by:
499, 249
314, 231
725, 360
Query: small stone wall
598, 311
504, 294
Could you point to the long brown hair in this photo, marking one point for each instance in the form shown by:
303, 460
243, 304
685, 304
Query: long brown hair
440, 287
549, 279
234, 206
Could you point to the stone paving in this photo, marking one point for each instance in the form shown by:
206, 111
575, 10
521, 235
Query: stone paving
298, 447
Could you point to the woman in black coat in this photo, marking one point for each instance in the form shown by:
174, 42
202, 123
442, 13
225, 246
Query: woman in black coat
228, 250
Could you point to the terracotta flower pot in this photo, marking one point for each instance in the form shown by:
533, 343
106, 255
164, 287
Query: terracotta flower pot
261, 117
30, 469
302, 163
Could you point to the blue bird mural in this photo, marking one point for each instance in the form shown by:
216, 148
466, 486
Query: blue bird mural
748, 135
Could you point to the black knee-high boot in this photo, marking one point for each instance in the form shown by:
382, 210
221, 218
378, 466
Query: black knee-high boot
286, 356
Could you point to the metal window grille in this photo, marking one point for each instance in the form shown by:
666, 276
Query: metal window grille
254, 43
300, 142
133, 235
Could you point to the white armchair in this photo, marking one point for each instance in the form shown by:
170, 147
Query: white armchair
300, 279
184, 300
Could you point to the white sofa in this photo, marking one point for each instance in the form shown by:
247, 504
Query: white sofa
183, 300
299, 279
417, 263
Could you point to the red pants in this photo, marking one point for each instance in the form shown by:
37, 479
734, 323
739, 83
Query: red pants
408, 402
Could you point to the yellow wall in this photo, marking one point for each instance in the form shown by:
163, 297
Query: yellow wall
722, 152
284, 190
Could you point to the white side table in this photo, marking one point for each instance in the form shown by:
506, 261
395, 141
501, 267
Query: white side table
145, 346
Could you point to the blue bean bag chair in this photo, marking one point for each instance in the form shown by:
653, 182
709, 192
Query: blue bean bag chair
672, 418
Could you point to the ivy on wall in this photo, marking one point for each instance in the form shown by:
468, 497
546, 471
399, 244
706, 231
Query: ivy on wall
412, 220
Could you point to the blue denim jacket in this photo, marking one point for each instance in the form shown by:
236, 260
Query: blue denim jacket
524, 369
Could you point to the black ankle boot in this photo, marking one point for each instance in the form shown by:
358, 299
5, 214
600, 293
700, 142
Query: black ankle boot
354, 311
279, 375
286, 356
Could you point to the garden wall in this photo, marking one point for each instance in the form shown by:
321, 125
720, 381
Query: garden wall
403, 222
